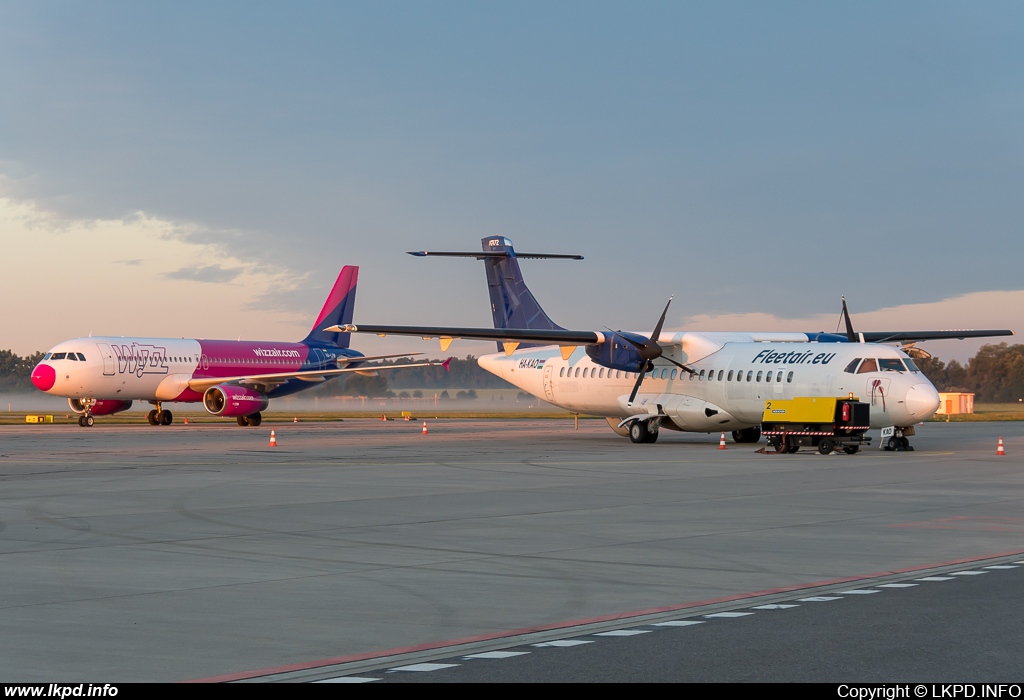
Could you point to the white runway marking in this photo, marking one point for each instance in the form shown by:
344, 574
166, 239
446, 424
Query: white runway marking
421, 668
348, 679
860, 591
679, 623
496, 655
729, 614
936, 578
897, 585
1000, 567
621, 633
565, 643
968, 573
820, 599
775, 606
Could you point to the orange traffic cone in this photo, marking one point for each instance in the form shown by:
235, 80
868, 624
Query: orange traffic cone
186, 420
295, 419
424, 428
273, 439
721, 443
999, 451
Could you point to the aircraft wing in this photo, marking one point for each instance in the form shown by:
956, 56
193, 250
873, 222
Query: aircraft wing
270, 380
510, 337
914, 336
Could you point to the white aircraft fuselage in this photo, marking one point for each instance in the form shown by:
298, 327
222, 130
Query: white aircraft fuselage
735, 374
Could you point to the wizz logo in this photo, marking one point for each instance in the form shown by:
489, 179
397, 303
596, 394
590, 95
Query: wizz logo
141, 359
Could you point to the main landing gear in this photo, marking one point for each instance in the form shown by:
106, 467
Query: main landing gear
641, 431
160, 416
747, 435
253, 420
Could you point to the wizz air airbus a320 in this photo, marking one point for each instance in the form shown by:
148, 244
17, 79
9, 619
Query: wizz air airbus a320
689, 381
234, 379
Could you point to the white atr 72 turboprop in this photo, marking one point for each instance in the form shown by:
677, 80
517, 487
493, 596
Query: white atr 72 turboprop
688, 381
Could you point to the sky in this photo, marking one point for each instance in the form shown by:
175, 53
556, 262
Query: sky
205, 169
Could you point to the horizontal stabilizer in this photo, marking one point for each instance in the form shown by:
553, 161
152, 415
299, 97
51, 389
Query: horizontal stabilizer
492, 254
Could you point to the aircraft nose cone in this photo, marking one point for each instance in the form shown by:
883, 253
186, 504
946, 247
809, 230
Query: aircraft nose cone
44, 377
922, 401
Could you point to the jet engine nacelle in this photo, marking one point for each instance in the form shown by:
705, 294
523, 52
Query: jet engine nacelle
231, 401
105, 407
616, 353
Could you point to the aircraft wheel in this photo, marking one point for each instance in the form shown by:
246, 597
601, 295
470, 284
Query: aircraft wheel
242, 421
255, 419
851, 449
892, 444
638, 431
81, 421
152, 417
165, 417
826, 446
747, 435
89, 420
905, 443
652, 435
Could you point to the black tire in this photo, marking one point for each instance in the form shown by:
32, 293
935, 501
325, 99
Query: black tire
652, 435
638, 431
242, 421
892, 444
851, 449
826, 446
89, 420
747, 435
152, 417
905, 443
255, 419
165, 417
81, 421
793, 448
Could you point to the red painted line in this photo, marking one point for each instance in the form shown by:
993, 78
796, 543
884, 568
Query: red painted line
426, 646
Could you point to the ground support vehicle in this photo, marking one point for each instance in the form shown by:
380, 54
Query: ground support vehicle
826, 423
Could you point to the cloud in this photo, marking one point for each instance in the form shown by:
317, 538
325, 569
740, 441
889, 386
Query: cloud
209, 273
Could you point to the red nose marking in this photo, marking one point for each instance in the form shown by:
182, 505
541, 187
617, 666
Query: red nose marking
43, 377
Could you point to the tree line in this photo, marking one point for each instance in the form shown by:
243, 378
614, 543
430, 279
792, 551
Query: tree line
995, 375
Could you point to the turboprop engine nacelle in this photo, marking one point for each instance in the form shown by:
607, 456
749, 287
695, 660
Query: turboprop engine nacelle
231, 401
100, 408
616, 353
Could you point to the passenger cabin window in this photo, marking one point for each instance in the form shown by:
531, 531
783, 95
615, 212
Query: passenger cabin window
869, 365
852, 367
702, 374
759, 376
576, 374
891, 365
729, 377
789, 378
561, 372
673, 375
778, 377
721, 373
750, 375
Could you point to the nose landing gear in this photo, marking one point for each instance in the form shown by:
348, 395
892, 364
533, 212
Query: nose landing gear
894, 439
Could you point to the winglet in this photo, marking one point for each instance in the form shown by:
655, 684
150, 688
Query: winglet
445, 364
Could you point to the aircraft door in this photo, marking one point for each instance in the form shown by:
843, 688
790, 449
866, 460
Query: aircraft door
108, 359
549, 390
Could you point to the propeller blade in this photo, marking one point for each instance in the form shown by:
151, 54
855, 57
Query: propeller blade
850, 335
657, 328
636, 387
679, 364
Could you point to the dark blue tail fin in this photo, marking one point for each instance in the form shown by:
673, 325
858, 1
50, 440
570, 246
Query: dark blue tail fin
512, 303
337, 311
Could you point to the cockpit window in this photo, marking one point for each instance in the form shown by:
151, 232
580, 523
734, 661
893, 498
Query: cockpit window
852, 367
46, 356
72, 357
911, 366
869, 365
59, 356
891, 365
